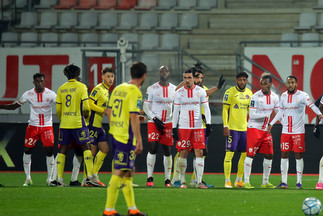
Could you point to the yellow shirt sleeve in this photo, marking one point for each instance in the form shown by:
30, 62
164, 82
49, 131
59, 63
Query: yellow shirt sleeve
95, 95
226, 107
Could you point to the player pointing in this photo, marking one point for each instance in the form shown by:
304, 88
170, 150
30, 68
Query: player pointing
292, 115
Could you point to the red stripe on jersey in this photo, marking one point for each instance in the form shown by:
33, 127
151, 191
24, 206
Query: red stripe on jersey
268, 99
290, 98
165, 115
189, 93
41, 97
265, 123
165, 91
41, 119
190, 117
290, 124
193, 122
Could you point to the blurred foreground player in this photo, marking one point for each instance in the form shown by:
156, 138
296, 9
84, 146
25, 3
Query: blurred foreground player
126, 142
40, 124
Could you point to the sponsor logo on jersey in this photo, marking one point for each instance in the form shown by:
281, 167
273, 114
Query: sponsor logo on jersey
139, 103
94, 92
236, 106
226, 96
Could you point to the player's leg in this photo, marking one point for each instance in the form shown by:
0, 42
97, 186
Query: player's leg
61, 164
113, 192
77, 161
199, 167
319, 185
182, 163
242, 146
99, 158
268, 150
27, 165
176, 172
285, 148
299, 148
231, 146
252, 140
168, 163
151, 160
47, 138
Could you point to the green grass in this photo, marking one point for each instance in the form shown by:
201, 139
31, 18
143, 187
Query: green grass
50, 201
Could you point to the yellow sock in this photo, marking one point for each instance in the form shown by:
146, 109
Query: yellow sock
128, 193
84, 171
241, 164
175, 159
113, 192
98, 161
227, 164
88, 160
112, 166
60, 165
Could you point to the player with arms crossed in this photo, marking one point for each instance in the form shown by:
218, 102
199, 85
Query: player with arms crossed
292, 116
262, 104
126, 142
40, 124
72, 107
190, 133
235, 109
158, 107
99, 99
319, 185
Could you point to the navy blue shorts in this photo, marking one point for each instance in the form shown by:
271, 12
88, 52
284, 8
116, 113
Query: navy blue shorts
237, 141
123, 154
80, 135
97, 135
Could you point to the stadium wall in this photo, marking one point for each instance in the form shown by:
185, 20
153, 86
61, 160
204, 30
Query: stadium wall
12, 148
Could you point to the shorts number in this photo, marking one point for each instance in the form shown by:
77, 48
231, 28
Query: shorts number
30, 142
68, 100
132, 155
154, 135
229, 139
285, 146
184, 144
93, 133
118, 107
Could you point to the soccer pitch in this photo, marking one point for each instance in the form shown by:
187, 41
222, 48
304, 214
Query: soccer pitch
40, 199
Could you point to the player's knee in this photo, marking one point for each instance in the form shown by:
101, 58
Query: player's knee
28, 150
153, 148
49, 151
78, 152
205, 151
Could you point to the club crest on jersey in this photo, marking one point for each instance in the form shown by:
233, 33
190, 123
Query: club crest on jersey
47, 99
138, 103
252, 103
94, 93
236, 106
226, 96
247, 96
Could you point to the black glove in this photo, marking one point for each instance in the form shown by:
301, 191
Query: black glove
208, 130
316, 131
159, 124
175, 134
221, 82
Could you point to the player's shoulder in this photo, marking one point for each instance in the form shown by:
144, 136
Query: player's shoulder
273, 94
248, 91
199, 88
172, 86
205, 88
49, 91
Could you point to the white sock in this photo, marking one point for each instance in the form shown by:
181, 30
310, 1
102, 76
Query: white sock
27, 164
151, 159
77, 160
182, 163
284, 165
176, 171
50, 162
266, 170
247, 169
168, 163
321, 171
299, 169
54, 175
199, 168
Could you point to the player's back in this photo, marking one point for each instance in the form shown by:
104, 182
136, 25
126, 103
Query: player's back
125, 99
71, 96
238, 102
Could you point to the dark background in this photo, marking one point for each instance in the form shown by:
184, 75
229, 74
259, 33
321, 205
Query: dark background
213, 163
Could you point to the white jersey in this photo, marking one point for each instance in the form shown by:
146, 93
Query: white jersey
159, 101
261, 107
188, 102
40, 106
292, 111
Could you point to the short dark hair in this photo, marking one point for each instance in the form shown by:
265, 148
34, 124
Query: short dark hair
108, 70
137, 70
36, 75
72, 71
197, 69
291, 76
242, 74
267, 76
189, 70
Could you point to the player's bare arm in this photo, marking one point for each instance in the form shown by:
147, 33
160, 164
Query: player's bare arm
12, 106
212, 90
179, 86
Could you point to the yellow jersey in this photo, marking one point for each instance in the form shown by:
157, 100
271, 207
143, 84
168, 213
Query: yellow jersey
235, 108
72, 99
100, 102
125, 99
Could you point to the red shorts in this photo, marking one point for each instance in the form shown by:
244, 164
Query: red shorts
33, 134
190, 138
259, 141
292, 142
154, 135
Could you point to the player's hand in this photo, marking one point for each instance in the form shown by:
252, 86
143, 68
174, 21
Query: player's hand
159, 124
320, 117
316, 131
175, 134
226, 132
208, 130
221, 82
142, 118
139, 148
269, 128
105, 111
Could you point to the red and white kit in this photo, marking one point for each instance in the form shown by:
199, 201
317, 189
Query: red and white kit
158, 103
292, 115
261, 107
40, 119
187, 114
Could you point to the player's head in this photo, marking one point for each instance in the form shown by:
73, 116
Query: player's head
72, 71
138, 71
188, 78
266, 83
242, 80
39, 81
108, 75
164, 73
291, 84
198, 74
